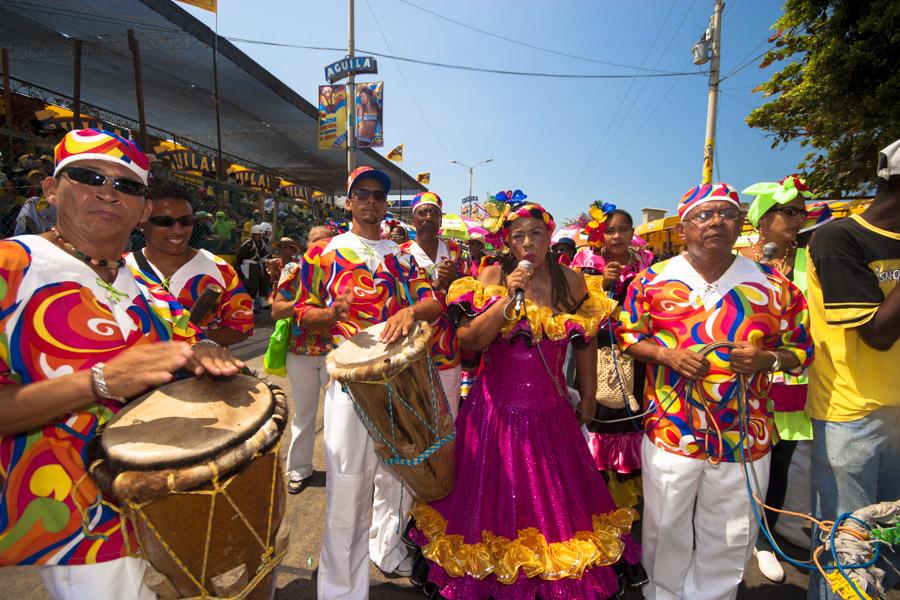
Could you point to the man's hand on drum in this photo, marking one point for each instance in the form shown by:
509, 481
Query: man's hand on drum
213, 360
398, 325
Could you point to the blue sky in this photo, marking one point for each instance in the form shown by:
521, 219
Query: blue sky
565, 142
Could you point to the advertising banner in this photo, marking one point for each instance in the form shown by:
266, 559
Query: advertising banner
369, 114
332, 117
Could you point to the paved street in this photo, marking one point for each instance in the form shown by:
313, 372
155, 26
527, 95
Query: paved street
296, 576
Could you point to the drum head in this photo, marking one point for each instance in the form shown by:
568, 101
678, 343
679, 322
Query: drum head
186, 422
365, 349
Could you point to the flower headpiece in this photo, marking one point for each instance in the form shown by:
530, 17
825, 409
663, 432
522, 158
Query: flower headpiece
769, 194
498, 208
530, 209
391, 223
596, 227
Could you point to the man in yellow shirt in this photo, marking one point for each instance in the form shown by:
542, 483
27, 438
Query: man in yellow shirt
854, 383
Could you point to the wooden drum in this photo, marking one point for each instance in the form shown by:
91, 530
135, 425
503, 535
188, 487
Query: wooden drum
195, 466
398, 396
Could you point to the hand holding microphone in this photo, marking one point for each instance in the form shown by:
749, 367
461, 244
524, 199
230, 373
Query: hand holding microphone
516, 283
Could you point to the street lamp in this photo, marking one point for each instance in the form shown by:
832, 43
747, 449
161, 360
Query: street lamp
471, 169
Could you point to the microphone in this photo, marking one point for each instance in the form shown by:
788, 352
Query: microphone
770, 250
519, 298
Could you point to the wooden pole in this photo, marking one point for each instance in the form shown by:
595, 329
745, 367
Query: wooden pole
138, 84
76, 85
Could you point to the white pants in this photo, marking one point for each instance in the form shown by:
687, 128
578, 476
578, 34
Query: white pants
451, 380
698, 525
308, 376
112, 580
366, 505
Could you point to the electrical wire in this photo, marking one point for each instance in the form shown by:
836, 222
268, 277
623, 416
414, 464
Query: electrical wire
467, 67
498, 36
409, 88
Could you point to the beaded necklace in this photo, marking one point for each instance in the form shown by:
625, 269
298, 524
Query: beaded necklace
112, 293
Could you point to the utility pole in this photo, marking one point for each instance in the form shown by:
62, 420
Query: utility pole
713, 101
351, 94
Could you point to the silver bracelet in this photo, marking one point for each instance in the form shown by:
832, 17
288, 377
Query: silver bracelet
99, 384
209, 342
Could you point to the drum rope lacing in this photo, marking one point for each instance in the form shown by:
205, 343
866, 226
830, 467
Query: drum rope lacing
395, 458
269, 559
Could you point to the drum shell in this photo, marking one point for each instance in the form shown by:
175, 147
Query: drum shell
433, 478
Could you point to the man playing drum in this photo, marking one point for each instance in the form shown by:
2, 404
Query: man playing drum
442, 262
351, 282
185, 272
80, 334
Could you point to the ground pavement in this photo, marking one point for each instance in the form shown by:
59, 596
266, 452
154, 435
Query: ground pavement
305, 512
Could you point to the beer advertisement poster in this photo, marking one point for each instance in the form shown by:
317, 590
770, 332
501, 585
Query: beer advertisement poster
369, 114
332, 117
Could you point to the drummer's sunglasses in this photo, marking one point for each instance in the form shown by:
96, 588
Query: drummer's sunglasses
95, 179
169, 220
361, 194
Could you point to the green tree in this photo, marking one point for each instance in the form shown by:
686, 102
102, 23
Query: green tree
839, 93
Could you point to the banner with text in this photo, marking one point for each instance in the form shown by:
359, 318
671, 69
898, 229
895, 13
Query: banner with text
332, 117
369, 114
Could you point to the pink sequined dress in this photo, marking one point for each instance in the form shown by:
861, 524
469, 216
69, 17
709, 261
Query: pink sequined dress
530, 515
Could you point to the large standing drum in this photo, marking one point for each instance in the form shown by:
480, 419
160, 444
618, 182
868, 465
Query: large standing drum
195, 466
398, 396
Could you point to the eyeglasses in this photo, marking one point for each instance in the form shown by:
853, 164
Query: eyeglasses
705, 216
791, 211
169, 221
364, 194
95, 179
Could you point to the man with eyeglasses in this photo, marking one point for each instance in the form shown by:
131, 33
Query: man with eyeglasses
169, 261
442, 261
80, 335
349, 283
699, 526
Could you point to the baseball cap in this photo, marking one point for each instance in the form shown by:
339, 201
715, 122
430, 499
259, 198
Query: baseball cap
370, 173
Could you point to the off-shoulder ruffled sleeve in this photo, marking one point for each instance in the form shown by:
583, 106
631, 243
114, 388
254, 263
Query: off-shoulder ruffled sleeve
473, 298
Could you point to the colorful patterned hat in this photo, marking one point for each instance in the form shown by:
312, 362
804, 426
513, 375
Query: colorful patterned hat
95, 144
530, 209
368, 173
426, 198
769, 194
706, 192
817, 215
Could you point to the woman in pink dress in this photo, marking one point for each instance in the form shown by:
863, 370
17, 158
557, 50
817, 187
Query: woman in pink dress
530, 516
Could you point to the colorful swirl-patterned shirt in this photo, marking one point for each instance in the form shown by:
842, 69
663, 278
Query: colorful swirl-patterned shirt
235, 307
55, 319
302, 341
444, 343
380, 278
670, 304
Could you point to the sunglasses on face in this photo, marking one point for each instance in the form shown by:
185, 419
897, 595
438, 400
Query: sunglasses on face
705, 216
169, 221
95, 179
791, 211
364, 194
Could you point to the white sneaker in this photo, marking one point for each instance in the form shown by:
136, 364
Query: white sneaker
769, 565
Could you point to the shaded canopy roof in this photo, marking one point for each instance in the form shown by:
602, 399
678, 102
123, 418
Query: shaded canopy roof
264, 122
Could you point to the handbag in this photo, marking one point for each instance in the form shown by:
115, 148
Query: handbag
615, 379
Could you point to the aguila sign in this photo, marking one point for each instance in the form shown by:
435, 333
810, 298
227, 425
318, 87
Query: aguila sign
347, 66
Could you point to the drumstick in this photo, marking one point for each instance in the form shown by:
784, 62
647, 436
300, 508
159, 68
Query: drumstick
208, 299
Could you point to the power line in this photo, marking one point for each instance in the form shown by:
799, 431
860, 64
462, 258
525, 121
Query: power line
497, 36
406, 83
467, 67
737, 70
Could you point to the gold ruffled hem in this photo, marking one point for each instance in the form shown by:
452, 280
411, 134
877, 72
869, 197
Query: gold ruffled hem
542, 321
530, 553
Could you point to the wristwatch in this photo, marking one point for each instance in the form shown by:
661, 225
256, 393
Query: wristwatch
776, 364
99, 384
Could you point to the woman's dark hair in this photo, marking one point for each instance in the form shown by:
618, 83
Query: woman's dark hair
625, 215
560, 294
166, 189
